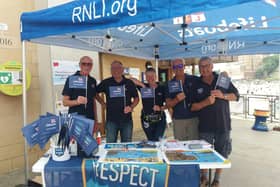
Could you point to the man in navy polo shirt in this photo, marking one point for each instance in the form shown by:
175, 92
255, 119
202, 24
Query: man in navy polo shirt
179, 99
80, 97
81, 100
212, 104
121, 98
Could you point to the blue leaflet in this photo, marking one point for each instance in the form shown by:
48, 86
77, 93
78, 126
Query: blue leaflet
174, 86
147, 92
76, 81
117, 91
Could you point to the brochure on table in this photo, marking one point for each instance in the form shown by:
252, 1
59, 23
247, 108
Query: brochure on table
151, 156
173, 152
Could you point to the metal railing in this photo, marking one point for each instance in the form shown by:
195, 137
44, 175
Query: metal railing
248, 103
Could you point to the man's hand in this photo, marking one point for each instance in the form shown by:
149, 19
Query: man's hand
81, 100
97, 127
210, 100
127, 109
180, 97
156, 108
103, 105
217, 94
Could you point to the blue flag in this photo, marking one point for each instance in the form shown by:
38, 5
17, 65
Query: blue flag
48, 126
88, 144
147, 92
31, 132
85, 123
223, 81
79, 130
76, 81
175, 86
117, 91
40, 131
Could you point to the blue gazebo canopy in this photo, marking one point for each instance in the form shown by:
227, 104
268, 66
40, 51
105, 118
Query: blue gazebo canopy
163, 29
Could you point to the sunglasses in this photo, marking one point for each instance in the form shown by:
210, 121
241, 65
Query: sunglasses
86, 64
178, 66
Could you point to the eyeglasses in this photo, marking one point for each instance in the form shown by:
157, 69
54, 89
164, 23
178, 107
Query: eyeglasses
178, 66
204, 66
86, 64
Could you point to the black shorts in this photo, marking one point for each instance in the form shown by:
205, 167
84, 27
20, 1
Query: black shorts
222, 141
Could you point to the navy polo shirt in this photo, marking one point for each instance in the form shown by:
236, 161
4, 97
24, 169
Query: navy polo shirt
115, 106
73, 93
215, 117
181, 110
148, 103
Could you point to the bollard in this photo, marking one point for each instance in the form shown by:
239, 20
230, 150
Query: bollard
260, 120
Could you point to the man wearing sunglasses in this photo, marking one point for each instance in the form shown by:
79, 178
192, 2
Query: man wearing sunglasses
82, 100
185, 122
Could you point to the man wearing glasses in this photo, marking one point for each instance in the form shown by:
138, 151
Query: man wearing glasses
121, 98
212, 104
179, 98
81, 100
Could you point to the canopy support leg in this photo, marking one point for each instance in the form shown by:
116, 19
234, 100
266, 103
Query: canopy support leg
24, 112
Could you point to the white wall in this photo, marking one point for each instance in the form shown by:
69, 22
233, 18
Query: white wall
57, 2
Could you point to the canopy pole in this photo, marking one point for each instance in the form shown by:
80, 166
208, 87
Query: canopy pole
184, 26
156, 54
24, 111
279, 86
157, 68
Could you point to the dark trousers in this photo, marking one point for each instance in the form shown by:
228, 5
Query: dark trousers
113, 129
154, 131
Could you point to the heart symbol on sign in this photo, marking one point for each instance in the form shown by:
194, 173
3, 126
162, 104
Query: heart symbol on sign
4, 79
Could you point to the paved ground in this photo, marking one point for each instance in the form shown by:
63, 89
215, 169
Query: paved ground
255, 158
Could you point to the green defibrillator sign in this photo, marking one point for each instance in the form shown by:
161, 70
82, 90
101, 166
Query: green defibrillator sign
11, 78
5, 77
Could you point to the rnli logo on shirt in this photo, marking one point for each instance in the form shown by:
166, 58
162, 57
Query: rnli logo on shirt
53, 121
93, 86
200, 90
159, 94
